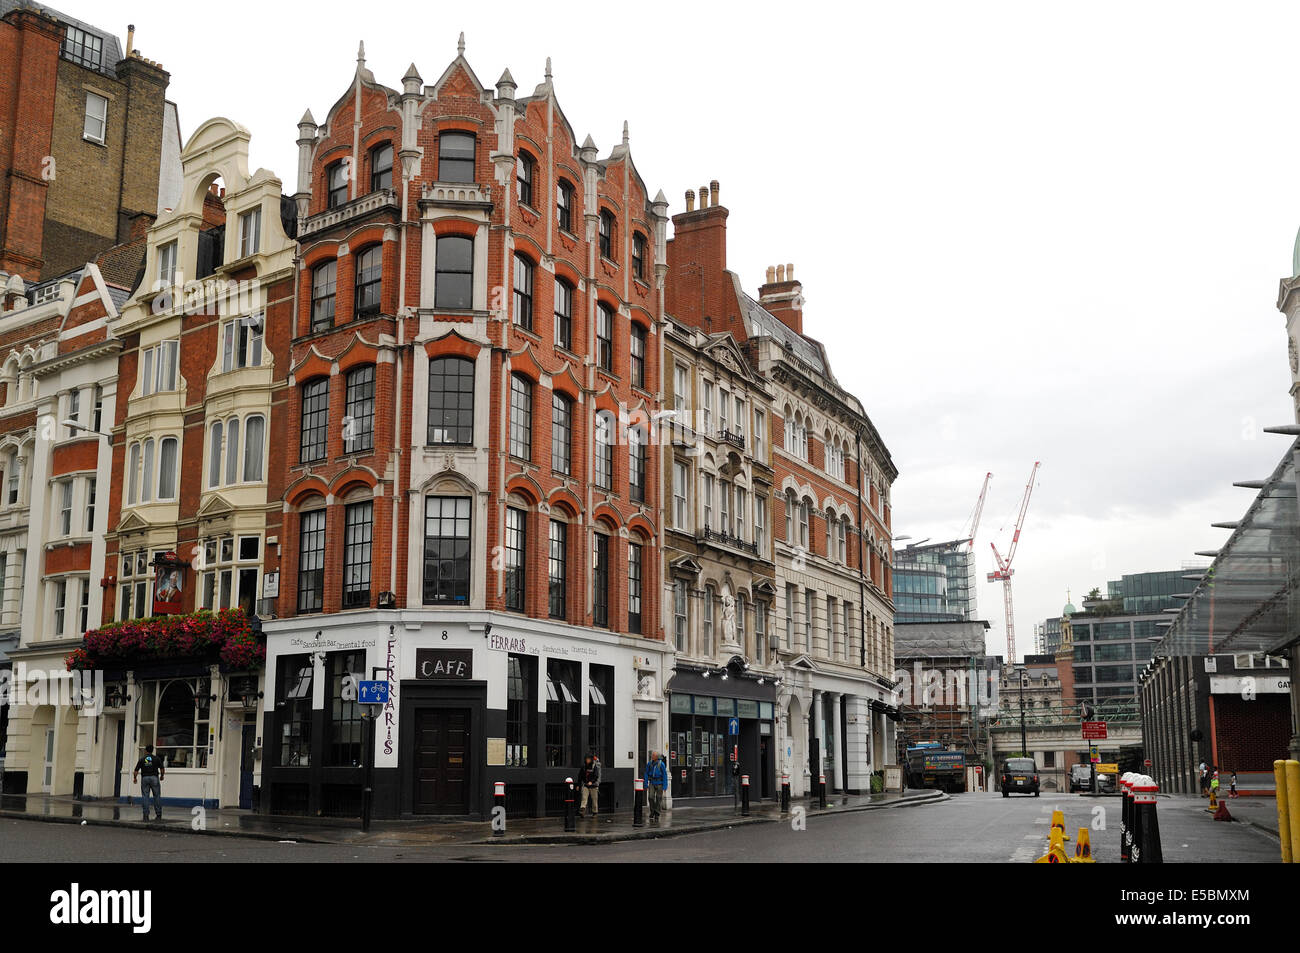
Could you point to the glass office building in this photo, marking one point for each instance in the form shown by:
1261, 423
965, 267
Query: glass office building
934, 582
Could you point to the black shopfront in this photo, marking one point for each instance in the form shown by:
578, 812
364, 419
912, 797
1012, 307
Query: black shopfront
705, 758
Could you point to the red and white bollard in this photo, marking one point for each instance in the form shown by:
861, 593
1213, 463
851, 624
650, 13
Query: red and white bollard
785, 793
499, 796
744, 795
638, 803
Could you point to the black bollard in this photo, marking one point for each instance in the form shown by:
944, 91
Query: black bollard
499, 829
1134, 833
744, 795
1144, 803
570, 820
821, 792
638, 803
785, 793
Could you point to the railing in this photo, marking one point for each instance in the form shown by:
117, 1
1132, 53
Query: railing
384, 198
728, 539
735, 439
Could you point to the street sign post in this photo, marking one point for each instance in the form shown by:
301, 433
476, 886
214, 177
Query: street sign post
372, 693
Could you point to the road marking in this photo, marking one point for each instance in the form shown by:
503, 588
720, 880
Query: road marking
1041, 820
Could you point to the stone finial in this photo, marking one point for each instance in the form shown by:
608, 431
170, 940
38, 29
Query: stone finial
624, 133
361, 54
307, 119
506, 85
460, 44
548, 69
690, 200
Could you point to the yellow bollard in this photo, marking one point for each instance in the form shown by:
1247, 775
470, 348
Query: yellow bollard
1283, 811
1083, 849
1214, 802
1293, 805
1058, 824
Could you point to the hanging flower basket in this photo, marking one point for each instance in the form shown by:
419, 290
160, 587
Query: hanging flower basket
226, 636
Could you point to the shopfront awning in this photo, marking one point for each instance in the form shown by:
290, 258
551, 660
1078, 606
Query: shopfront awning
694, 683
1246, 601
890, 711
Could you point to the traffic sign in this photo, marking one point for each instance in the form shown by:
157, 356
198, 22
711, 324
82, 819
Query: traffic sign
733, 726
1111, 768
1147, 762
1094, 755
372, 693
1094, 730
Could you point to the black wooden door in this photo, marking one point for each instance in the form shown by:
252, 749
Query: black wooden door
442, 761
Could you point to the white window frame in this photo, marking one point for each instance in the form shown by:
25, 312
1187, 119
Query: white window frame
250, 232
95, 126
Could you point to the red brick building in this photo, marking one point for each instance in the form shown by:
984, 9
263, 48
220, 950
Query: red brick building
477, 334
89, 142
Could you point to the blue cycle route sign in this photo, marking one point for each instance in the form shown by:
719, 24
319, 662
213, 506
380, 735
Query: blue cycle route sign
733, 726
372, 693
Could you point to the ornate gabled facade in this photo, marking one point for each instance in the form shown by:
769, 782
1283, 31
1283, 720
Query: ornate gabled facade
473, 475
185, 401
59, 383
719, 576
833, 611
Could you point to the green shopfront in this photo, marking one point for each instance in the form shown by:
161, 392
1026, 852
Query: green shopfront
701, 745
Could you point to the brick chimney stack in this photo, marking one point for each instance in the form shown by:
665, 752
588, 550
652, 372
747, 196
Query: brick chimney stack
783, 296
699, 291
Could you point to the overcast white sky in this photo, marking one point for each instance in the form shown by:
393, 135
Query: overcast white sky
1025, 231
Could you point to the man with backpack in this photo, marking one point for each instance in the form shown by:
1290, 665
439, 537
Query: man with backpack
656, 782
153, 771
589, 786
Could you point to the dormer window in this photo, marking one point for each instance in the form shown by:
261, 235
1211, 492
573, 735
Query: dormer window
250, 232
82, 48
456, 157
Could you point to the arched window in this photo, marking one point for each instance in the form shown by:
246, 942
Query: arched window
638, 255
167, 469
369, 280
707, 647
133, 475
254, 443
805, 509
830, 533
453, 279
324, 281
564, 204
524, 173
790, 505
214, 454
605, 450
456, 157
451, 401
381, 167
232, 450
843, 540
146, 481
607, 234
315, 419
636, 455
561, 432
521, 417
563, 314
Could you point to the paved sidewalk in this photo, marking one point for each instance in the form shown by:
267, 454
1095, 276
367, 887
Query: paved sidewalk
531, 830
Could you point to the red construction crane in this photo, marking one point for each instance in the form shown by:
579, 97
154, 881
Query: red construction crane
979, 508
1003, 572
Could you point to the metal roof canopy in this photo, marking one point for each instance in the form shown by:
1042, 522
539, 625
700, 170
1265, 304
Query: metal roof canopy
1246, 600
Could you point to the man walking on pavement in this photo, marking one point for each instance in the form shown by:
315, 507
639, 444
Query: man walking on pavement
150, 771
656, 780
589, 786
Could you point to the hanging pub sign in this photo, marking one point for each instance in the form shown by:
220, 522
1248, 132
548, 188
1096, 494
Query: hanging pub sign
168, 583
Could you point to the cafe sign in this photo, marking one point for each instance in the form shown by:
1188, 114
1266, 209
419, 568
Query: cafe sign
443, 664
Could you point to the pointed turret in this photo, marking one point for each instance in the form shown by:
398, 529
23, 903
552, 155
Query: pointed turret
506, 85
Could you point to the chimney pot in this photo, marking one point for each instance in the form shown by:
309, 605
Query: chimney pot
780, 272
690, 200
789, 272
771, 274
704, 196
713, 187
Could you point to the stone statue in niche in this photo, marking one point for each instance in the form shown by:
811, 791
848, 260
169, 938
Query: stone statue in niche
728, 615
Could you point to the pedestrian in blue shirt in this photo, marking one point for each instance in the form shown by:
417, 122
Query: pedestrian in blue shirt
656, 782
